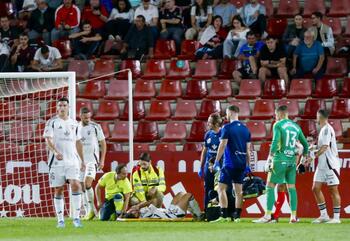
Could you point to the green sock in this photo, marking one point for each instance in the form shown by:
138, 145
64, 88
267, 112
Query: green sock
293, 199
270, 199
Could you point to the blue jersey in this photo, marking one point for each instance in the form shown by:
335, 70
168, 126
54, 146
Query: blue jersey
237, 135
211, 142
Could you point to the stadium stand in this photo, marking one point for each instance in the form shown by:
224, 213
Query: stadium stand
107, 110
170, 90
185, 110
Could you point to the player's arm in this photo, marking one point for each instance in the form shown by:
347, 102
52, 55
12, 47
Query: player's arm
79, 146
203, 154
52, 148
326, 138
249, 153
275, 140
103, 153
221, 149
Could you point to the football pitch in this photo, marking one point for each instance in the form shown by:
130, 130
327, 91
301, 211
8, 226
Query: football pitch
44, 229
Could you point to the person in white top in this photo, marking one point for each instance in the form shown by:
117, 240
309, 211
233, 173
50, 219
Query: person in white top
62, 136
94, 144
120, 20
201, 18
327, 171
47, 59
151, 14
254, 16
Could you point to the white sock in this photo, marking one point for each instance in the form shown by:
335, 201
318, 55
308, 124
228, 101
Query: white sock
336, 213
194, 207
90, 199
323, 209
59, 207
76, 202
85, 202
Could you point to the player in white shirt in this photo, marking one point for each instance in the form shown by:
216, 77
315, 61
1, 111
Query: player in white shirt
93, 139
327, 171
62, 136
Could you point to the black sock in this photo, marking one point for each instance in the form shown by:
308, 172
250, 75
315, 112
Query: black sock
237, 213
224, 212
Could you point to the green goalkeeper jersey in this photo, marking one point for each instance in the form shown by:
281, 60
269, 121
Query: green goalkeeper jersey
285, 135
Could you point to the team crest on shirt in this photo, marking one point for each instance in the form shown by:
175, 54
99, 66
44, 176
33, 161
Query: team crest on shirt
214, 147
60, 127
88, 132
66, 133
209, 140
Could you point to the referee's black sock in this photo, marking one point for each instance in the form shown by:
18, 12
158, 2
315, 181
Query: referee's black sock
224, 212
237, 213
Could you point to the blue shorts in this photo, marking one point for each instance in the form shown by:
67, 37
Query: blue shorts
231, 175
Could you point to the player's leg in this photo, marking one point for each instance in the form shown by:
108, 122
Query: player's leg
57, 181
281, 197
291, 174
188, 202
238, 181
90, 174
208, 185
336, 203
319, 179
72, 175
155, 197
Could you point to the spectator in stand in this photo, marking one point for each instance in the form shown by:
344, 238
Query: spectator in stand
108, 4
273, 61
150, 12
85, 42
22, 55
294, 34
235, 38
4, 54
41, 22
227, 11
47, 59
323, 33
96, 14
170, 20
67, 19
201, 18
120, 20
138, 41
54, 3
211, 41
9, 35
254, 16
248, 54
27, 8
308, 57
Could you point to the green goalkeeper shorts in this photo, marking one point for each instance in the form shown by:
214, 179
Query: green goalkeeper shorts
282, 172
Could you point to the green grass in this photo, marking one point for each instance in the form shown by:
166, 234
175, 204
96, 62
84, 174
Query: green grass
45, 229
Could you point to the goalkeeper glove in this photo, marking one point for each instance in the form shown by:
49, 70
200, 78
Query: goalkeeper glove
268, 165
216, 166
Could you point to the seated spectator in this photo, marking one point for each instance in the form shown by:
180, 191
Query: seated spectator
308, 57
248, 54
201, 18
235, 38
227, 11
22, 55
108, 5
273, 61
4, 55
47, 59
8, 34
151, 15
41, 22
27, 8
54, 3
323, 33
120, 20
294, 34
211, 40
67, 19
96, 14
170, 20
85, 42
254, 16
138, 41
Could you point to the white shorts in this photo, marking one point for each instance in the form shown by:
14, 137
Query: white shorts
176, 210
58, 176
329, 176
90, 171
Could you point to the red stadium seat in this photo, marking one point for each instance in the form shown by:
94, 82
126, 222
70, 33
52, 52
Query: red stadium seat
170, 90
80, 67
120, 132
107, 110
64, 46
288, 8
208, 107
114, 147
205, 69
197, 131
347, 28
265, 147
269, 7
220, 89
147, 131
293, 107
166, 147
340, 108
335, 24
175, 131
336, 67
188, 49
311, 107
117, 90
227, 67
249, 89
325, 88
257, 130
159, 110
155, 69
308, 127
179, 69
345, 90
138, 110
28, 110
185, 110
276, 27
338, 128
300, 88
84, 103
103, 67
164, 49
133, 65
274, 89
311, 6
38, 132
193, 146
339, 8
20, 132
238, 3
141, 147
196, 89
244, 108
94, 90
144, 89
263, 110
105, 129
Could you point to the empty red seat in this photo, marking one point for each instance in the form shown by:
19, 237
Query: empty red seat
155, 69
138, 110
293, 107
244, 108
220, 89
288, 8
120, 132
340, 108
336, 67
104, 68
179, 69
170, 90
257, 130
114, 147
339, 8
274, 89
338, 128
249, 89
335, 24
314, 6
276, 27
311, 107
188, 49
185, 110
133, 65
269, 7
175, 131
64, 46
166, 147
144, 89
308, 127
263, 109
205, 69
347, 28
208, 107
117, 89
7, 110
105, 129
28, 110
80, 67
147, 131
38, 132
265, 147
193, 146
83, 103
197, 131
159, 110
300, 88
107, 110
164, 49
227, 67
325, 88
20, 132
345, 90
196, 89
141, 147
93, 90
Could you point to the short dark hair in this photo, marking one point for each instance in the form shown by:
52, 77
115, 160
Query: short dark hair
217, 120
63, 99
145, 156
84, 110
44, 49
250, 33
233, 108
282, 108
119, 168
142, 17
318, 14
324, 113
127, 6
270, 37
298, 14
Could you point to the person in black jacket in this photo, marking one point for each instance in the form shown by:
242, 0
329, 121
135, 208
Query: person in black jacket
294, 34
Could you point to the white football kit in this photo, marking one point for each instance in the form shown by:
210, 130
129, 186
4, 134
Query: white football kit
172, 212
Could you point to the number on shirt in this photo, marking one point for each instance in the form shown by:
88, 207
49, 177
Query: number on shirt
291, 139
